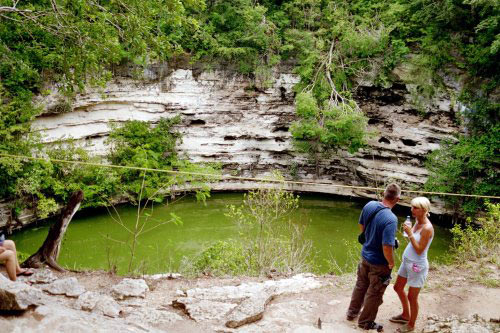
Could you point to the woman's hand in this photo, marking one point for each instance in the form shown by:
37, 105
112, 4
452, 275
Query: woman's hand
2, 249
408, 230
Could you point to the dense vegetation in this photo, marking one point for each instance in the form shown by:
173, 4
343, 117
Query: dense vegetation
333, 44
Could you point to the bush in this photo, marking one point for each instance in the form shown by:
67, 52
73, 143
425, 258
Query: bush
469, 167
273, 243
223, 258
482, 240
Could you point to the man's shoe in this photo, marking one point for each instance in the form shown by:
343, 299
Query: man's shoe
350, 317
372, 326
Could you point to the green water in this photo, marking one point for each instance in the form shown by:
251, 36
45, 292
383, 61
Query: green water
331, 225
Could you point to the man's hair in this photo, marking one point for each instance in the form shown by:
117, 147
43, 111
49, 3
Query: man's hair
392, 192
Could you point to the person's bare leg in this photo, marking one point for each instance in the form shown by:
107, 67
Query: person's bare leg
10, 263
399, 287
413, 300
10, 245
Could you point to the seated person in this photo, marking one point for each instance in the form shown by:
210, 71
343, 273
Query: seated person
8, 255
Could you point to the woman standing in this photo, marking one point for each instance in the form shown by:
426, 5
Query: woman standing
414, 268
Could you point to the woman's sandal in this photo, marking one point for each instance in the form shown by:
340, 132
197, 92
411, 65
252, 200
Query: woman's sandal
398, 319
26, 272
405, 329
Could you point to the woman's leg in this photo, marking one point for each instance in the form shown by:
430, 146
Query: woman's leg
10, 245
10, 263
399, 287
413, 300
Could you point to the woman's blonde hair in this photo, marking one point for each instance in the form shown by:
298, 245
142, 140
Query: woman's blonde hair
422, 202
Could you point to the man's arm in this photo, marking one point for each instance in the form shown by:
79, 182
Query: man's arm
389, 255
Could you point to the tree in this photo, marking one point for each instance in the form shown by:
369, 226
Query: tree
49, 251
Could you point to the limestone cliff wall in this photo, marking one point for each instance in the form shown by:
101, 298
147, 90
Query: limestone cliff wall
227, 120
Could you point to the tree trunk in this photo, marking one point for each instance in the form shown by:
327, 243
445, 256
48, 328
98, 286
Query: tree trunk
49, 251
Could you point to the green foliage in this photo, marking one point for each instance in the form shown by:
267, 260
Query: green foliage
322, 131
73, 44
469, 167
223, 258
138, 144
45, 207
46, 185
50, 183
473, 242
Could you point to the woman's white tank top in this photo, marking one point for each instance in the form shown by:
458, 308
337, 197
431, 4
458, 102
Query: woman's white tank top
412, 255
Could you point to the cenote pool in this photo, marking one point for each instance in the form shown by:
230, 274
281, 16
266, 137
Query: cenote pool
331, 225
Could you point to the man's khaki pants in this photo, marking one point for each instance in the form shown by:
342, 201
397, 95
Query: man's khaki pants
368, 292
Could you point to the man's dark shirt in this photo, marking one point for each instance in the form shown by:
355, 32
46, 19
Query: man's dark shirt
381, 231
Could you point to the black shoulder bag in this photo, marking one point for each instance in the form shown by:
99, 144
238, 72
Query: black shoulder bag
362, 236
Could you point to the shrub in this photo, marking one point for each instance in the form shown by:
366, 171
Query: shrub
471, 242
273, 243
223, 258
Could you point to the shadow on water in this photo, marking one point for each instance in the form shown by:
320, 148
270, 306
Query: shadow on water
331, 225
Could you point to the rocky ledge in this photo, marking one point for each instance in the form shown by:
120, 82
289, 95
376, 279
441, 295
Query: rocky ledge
64, 304
304, 303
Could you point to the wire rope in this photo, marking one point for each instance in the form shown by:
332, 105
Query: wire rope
228, 177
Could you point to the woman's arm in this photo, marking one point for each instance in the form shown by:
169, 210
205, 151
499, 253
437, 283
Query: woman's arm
425, 236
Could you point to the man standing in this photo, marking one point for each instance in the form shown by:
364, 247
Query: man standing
374, 270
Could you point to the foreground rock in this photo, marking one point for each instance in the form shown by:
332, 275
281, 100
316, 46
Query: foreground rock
243, 304
102, 304
15, 296
69, 287
130, 288
152, 317
249, 311
42, 276
58, 318
454, 324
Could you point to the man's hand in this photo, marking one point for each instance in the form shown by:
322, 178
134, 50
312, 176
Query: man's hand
389, 255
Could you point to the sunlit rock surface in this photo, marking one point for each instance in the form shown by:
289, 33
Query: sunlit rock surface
15, 296
69, 287
130, 288
242, 304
